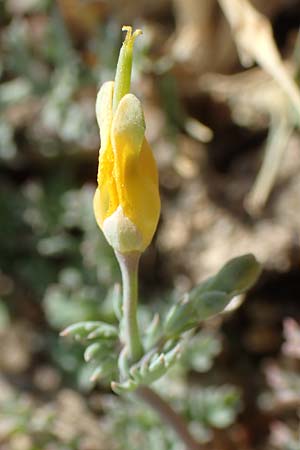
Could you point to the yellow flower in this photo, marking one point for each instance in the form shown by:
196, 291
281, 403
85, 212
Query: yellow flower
126, 202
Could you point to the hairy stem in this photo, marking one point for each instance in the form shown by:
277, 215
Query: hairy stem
129, 268
129, 263
171, 417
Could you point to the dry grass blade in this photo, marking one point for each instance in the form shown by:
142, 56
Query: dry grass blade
192, 28
198, 130
256, 101
279, 135
247, 23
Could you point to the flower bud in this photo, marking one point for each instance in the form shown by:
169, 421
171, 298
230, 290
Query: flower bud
126, 202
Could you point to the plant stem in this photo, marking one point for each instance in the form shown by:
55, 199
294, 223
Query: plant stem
129, 263
171, 417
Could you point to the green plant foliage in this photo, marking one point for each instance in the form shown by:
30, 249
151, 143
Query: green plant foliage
215, 406
204, 408
201, 350
213, 295
167, 343
137, 427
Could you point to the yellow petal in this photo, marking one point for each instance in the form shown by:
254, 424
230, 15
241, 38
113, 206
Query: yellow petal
140, 200
106, 198
121, 233
126, 202
129, 124
135, 171
104, 112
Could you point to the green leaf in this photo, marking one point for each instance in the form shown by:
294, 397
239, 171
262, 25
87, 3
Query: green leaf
193, 309
236, 276
107, 367
151, 367
98, 351
152, 332
90, 330
213, 295
123, 388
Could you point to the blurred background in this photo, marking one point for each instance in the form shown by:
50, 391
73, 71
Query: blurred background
209, 121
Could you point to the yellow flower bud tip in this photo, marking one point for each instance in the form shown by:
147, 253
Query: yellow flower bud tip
130, 37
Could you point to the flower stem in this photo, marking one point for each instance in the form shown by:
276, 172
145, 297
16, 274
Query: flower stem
168, 415
129, 263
